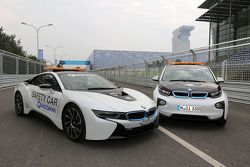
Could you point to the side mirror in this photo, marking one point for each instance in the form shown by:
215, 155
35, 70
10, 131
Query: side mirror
45, 86
220, 80
156, 78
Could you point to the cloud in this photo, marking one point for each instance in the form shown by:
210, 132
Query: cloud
84, 25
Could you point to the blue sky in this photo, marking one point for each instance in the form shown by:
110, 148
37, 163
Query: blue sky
83, 25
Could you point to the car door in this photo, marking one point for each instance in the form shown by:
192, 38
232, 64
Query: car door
46, 100
50, 103
36, 95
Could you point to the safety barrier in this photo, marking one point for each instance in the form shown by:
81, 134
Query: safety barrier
12, 80
229, 60
11, 63
238, 91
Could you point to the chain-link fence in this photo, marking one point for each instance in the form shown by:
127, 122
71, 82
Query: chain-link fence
14, 64
230, 60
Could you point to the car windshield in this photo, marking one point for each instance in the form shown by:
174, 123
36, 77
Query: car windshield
192, 73
85, 81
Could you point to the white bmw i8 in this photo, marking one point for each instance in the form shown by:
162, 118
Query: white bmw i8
86, 106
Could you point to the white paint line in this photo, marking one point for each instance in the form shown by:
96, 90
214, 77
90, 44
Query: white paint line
6, 87
191, 148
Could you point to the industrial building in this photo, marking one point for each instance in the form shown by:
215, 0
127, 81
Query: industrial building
229, 20
109, 58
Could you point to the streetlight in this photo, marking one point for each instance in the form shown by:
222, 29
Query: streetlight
37, 31
54, 48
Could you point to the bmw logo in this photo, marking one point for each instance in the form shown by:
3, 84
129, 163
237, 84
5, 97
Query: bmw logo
143, 107
189, 90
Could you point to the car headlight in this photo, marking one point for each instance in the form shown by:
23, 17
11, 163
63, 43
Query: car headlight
164, 92
220, 105
216, 94
109, 114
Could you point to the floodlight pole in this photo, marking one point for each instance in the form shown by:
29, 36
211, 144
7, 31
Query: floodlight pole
37, 34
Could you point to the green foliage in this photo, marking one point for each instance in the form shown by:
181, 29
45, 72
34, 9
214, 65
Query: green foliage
10, 44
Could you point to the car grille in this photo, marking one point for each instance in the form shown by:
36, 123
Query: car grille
181, 94
199, 95
136, 115
140, 115
186, 94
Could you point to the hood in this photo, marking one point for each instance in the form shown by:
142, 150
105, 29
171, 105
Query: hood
120, 100
195, 86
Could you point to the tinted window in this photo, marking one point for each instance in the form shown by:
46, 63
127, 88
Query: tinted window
46, 79
50, 79
37, 80
85, 81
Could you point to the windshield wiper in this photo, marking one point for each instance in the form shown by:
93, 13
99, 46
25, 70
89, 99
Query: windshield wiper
100, 88
186, 80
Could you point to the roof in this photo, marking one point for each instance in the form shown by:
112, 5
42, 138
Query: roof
219, 9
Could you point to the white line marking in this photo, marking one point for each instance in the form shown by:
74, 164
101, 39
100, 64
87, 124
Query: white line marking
6, 87
191, 148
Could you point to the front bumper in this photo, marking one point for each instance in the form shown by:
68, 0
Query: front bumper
102, 129
121, 131
208, 110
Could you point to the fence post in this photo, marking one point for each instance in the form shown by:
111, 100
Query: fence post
134, 75
119, 73
223, 69
226, 77
1, 63
17, 66
27, 67
163, 65
146, 70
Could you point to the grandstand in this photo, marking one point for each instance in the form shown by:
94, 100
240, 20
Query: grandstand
240, 58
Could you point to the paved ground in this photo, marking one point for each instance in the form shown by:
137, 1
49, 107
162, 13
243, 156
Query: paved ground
34, 141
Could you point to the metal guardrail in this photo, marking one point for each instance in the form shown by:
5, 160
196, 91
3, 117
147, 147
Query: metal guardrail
12, 80
238, 91
11, 63
230, 60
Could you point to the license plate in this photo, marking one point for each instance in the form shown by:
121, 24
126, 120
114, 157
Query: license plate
189, 108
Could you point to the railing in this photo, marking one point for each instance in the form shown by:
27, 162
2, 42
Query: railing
230, 60
12, 80
14, 64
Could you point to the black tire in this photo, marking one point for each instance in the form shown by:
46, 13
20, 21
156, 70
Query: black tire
73, 123
19, 107
221, 122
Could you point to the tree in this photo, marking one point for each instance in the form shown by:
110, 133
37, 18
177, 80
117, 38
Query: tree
10, 44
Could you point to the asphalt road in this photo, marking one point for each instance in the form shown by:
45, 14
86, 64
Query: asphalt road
34, 141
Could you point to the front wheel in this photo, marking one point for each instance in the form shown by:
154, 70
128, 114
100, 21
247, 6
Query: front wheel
19, 108
73, 123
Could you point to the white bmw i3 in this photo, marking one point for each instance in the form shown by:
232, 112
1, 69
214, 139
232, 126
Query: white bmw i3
191, 91
86, 106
